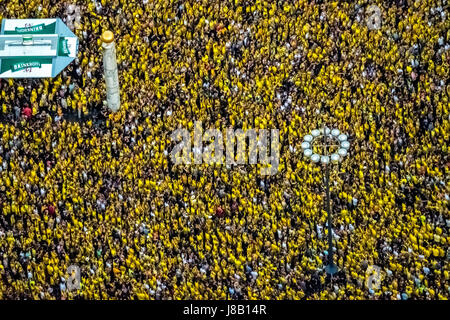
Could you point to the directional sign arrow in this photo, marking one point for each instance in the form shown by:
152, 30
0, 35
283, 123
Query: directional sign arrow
35, 48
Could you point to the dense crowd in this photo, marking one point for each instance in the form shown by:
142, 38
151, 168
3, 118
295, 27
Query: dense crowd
82, 186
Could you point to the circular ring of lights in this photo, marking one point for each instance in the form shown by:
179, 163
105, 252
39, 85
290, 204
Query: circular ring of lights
334, 134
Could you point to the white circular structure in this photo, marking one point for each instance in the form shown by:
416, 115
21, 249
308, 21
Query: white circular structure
334, 137
307, 152
342, 152
342, 137
345, 144
335, 157
335, 132
308, 138
325, 159
315, 157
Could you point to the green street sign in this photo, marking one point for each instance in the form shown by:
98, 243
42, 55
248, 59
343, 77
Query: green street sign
35, 48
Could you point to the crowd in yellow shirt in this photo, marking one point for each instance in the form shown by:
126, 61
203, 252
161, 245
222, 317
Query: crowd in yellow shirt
82, 186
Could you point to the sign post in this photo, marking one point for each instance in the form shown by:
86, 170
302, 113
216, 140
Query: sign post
35, 48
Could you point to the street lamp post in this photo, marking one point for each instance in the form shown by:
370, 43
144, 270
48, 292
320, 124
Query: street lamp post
335, 157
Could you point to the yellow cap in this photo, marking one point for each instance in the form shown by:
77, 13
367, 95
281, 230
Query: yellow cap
107, 36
